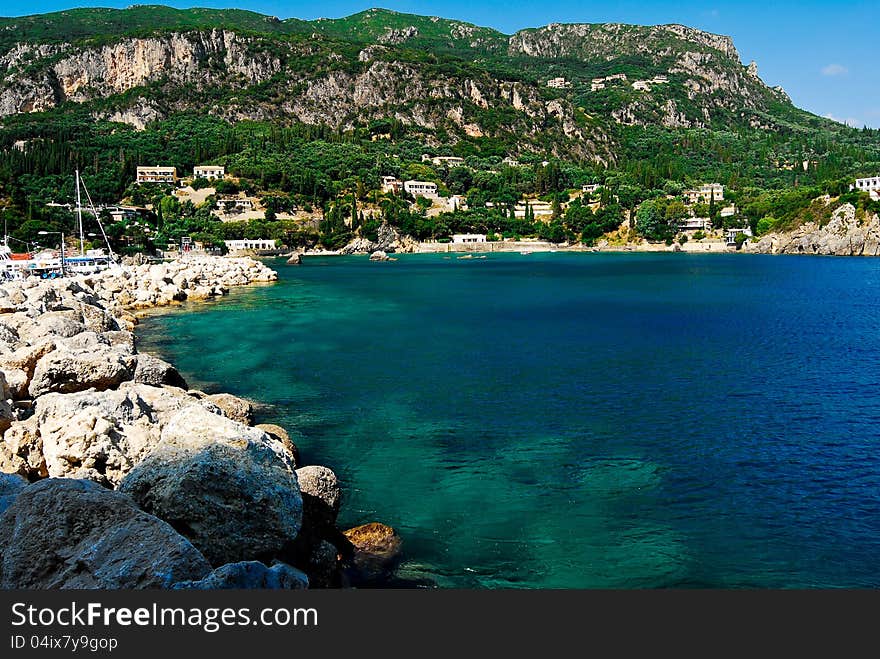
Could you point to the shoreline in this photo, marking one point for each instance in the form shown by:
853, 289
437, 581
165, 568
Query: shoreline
91, 423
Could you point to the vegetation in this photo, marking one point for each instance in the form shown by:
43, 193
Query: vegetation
319, 184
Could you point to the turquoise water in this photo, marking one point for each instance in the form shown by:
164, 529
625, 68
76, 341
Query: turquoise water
575, 420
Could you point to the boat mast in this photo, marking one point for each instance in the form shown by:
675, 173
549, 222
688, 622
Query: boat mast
79, 215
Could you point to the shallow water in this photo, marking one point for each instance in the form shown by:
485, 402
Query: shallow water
575, 420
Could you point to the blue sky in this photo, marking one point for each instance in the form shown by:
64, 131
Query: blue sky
825, 54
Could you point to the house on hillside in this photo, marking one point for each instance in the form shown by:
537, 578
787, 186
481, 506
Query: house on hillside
157, 174
426, 189
558, 83
209, 172
870, 184
705, 193
391, 185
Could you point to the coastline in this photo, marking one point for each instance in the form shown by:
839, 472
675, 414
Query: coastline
91, 424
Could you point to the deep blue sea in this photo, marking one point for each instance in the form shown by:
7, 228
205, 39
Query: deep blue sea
575, 420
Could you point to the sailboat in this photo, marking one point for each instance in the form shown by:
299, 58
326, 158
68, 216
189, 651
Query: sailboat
51, 264
91, 261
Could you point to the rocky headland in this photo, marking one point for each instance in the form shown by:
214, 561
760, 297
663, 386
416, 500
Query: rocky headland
846, 234
115, 474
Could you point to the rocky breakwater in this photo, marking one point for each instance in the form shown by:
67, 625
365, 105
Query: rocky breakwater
846, 234
117, 475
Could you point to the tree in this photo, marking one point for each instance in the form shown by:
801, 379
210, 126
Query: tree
651, 221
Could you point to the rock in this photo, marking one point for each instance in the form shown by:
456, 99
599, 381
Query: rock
157, 372
322, 565
377, 552
101, 436
378, 256
249, 575
229, 488
7, 415
233, 407
17, 381
11, 486
295, 259
63, 533
279, 433
21, 450
321, 496
67, 370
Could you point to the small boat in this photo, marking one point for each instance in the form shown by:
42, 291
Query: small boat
466, 256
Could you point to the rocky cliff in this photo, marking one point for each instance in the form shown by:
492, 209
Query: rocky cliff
845, 235
433, 74
252, 77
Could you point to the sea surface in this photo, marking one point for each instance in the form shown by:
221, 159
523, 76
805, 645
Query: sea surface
574, 420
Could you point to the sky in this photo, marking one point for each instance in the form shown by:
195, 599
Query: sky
824, 54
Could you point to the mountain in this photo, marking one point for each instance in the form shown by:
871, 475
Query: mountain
446, 79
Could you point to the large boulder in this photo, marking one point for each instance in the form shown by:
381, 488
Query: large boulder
64, 533
157, 372
11, 486
101, 435
237, 409
321, 495
68, 370
249, 575
229, 488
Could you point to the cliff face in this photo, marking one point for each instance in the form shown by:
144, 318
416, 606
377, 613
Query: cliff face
37, 78
427, 72
844, 235
333, 89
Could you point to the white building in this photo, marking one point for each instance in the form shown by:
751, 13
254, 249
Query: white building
558, 83
510, 162
867, 184
236, 245
641, 85
420, 188
457, 202
391, 185
209, 172
234, 204
728, 211
733, 233
695, 224
590, 188
705, 193
449, 161
156, 175
462, 238
122, 213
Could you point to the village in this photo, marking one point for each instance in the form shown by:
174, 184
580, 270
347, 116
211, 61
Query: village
703, 222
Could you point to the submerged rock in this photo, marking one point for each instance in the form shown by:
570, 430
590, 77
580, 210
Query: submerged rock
377, 552
63, 533
250, 575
